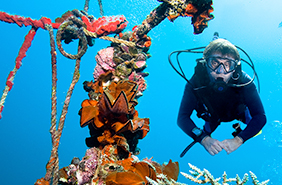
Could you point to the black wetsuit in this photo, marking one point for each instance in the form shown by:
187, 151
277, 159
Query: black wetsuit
241, 103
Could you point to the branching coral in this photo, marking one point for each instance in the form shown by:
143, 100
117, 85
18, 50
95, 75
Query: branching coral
204, 177
255, 181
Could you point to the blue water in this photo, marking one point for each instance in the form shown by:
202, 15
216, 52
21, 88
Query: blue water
24, 129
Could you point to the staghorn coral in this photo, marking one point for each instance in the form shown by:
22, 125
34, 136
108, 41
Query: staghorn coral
204, 177
255, 181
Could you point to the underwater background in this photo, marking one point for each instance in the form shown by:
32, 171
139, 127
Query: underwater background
25, 142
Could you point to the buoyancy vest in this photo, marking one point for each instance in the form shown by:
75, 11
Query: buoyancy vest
215, 106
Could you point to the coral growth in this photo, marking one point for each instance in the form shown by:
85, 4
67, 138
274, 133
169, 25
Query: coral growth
110, 114
101, 26
106, 25
200, 11
114, 125
105, 62
106, 166
125, 63
118, 82
204, 177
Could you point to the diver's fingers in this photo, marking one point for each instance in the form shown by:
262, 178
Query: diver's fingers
212, 151
232, 144
217, 147
215, 151
226, 146
212, 145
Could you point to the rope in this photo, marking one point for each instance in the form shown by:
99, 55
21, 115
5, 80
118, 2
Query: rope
20, 21
89, 33
52, 168
115, 40
22, 53
81, 36
131, 44
53, 162
101, 7
58, 135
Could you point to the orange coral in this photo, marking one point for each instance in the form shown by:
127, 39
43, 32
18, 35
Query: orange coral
124, 178
190, 10
171, 170
105, 165
144, 41
88, 112
128, 87
113, 112
107, 139
41, 181
138, 172
144, 169
200, 14
136, 175
111, 156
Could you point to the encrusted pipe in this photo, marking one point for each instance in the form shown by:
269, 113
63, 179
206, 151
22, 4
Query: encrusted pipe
152, 20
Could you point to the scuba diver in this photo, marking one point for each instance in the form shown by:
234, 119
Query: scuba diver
220, 91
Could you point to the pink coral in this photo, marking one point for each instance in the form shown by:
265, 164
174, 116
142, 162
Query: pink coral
87, 166
140, 64
105, 62
91, 159
138, 77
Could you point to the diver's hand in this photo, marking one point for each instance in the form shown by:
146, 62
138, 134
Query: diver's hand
232, 144
213, 146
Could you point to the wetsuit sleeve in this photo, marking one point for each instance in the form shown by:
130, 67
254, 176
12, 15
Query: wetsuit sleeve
254, 104
188, 104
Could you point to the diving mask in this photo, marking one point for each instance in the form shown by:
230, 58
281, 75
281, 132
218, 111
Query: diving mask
228, 64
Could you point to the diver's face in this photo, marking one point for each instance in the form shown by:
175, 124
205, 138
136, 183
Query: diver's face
219, 66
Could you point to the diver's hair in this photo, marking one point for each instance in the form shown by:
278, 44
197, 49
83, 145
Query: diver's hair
221, 46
